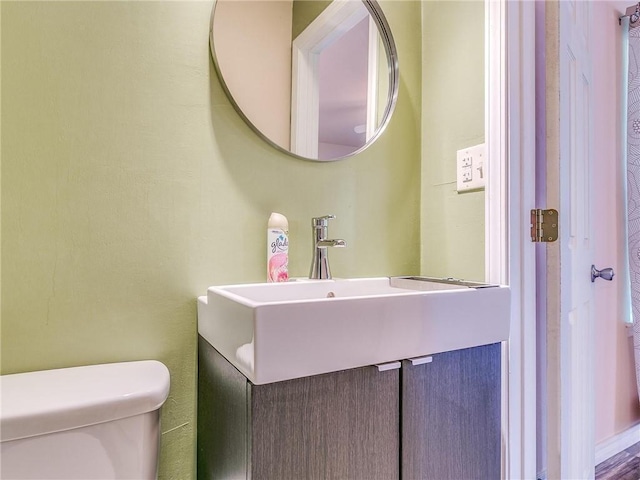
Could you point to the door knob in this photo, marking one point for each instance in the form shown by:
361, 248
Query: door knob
605, 273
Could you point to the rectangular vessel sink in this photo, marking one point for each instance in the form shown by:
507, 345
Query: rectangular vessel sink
279, 331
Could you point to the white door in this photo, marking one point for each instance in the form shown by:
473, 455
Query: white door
570, 330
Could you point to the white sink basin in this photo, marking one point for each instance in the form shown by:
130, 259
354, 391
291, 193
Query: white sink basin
279, 331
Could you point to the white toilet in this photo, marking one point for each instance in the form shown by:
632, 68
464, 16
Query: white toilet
95, 422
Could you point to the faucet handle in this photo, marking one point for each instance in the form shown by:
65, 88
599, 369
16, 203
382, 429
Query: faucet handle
321, 221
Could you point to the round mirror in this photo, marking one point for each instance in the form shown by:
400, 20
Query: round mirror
317, 79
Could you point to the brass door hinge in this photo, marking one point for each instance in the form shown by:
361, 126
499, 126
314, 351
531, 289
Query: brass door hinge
544, 225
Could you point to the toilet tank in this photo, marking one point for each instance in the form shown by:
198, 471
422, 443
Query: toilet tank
93, 422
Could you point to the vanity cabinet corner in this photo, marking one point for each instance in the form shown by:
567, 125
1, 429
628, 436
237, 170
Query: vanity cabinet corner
335, 426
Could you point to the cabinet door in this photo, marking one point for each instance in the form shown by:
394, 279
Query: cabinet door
342, 425
451, 416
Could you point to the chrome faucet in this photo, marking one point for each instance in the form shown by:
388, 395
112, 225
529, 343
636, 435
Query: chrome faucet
320, 264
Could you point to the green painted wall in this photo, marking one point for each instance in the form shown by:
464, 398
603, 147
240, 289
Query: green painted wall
452, 228
305, 12
130, 184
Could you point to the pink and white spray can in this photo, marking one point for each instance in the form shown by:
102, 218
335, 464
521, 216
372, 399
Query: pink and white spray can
277, 248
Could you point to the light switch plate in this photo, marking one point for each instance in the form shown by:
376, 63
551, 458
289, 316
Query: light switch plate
470, 168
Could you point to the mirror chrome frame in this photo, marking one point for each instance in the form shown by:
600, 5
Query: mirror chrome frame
394, 79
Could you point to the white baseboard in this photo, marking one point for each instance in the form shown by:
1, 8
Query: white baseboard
617, 443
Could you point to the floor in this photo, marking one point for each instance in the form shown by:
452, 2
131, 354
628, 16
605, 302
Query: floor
623, 466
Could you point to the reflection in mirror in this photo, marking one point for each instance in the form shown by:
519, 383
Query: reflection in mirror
317, 79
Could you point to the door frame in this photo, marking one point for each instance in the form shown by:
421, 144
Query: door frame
509, 197
334, 21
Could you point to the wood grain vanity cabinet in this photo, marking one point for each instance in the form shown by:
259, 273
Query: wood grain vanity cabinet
451, 415
436, 420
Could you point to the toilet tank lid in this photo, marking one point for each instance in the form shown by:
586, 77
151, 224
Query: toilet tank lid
36, 403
